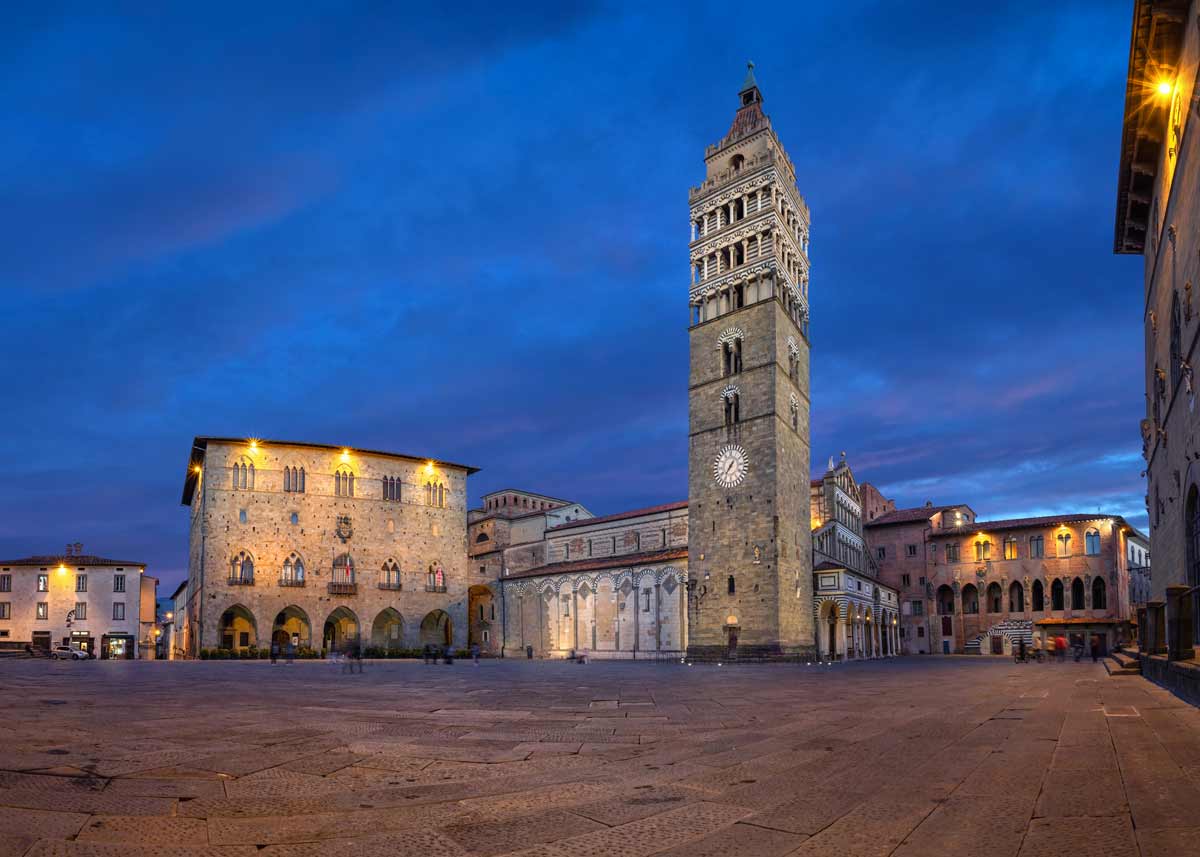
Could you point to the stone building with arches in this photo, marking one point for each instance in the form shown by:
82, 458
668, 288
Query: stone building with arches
323, 547
973, 586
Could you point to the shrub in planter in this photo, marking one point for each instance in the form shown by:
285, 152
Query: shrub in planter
205, 654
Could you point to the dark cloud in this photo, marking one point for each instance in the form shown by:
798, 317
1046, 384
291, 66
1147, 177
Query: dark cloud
465, 235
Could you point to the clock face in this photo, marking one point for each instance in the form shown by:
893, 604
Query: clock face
730, 466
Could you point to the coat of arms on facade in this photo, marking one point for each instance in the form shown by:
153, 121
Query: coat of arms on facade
344, 529
757, 554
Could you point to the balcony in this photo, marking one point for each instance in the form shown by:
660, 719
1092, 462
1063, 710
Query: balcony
391, 586
431, 588
343, 588
241, 581
291, 581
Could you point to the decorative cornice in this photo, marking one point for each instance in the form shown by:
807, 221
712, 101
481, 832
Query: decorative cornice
751, 182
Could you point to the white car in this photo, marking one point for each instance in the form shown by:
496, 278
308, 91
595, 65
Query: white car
68, 652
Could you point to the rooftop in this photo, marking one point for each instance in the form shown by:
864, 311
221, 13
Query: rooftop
200, 445
1042, 521
620, 516
71, 560
909, 516
604, 562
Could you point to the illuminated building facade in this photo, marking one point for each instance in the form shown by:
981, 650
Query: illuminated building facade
323, 547
1158, 216
76, 599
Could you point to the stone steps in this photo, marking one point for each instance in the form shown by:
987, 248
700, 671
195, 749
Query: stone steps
1123, 663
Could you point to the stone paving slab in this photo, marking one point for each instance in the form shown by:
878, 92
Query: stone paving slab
547, 759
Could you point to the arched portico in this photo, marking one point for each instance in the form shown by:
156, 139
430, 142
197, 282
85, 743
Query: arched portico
341, 629
237, 628
387, 631
436, 629
291, 625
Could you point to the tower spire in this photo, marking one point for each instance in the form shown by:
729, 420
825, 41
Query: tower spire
749, 82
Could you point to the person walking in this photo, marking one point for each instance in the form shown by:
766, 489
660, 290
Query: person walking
1021, 651
475, 653
1095, 648
291, 651
425, 653
358, 655
1060, 648
274, 651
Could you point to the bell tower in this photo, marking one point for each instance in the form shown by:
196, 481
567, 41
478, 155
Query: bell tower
749, 534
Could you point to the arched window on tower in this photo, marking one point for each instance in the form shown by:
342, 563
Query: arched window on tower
293, 479
343, 569
241, 568
435, 495
292, 573
731, 357
391, 488
732, 407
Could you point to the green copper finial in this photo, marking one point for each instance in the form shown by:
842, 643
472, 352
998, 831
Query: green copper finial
749, 82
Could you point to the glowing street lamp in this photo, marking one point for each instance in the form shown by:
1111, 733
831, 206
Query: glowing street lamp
1164, 88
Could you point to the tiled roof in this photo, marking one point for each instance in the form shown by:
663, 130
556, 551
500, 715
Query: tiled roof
1021, 523
1083, 620
909, 516
604, 562
74, 561
620, 516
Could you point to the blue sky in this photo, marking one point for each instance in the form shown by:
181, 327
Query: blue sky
466, 237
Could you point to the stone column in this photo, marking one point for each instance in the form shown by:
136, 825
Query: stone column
1155, 642
575, 618
637, 617
841, 640
657, 616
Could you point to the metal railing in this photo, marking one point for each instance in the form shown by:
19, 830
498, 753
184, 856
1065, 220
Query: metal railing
241, 581
291, 581
392, 585
343, 588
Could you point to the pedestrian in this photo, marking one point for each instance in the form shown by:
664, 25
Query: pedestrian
274, 651
1060, 648
358, 655
1077, 647
426, 652
475, 653
448, 658
1095, 648
291, 651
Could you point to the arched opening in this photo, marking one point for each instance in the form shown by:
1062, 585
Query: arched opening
1016, 598
993, 597
945, 600
1057, 601
436, 629
737, 162
869, 633
341, 629
1077, 594
1039, 597
1091, 542
481, 610
238, 630
291, 626
387, 631
828, 630
970, 598
1099, 594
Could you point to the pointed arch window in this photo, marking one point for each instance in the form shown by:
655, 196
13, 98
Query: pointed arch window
343, 569
293, 480
1099, 594
243, 474
435, 494
389, 575
1010, 547
1077, 594
1091, 542
983, 550
794, 412
1057, 595
391, 488
292, 573
435, 579
1064, 544
241, 568
343, 482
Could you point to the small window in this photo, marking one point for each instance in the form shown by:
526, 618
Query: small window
294, 518
881, 553
118, 583
486, 636
911, 550
43, 583
242, 516
119, 610
951, 553
343, 482
732, 585
920, 630
983, 550
80, 609
905, 580
483, 569
1037, 547
645, 600
1091, 542
918, 608
43, 610
5, 583
1010, 547
1064, 544
921, 580
81, 583
5, 609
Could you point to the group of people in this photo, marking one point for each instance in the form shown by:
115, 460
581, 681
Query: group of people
350, 655
1057, 647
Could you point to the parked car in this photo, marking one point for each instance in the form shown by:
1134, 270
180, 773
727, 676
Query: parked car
68, 653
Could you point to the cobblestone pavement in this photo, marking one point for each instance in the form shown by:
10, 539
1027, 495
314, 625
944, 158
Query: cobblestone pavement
932, 756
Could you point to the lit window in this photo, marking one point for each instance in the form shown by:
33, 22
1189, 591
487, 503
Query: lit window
343, 482
241, 568
1010, 547
983, 550
391, 488
43, 583
5, 583
5, 610
243, 473
435, 494
43, 610
1064, 544
293, 479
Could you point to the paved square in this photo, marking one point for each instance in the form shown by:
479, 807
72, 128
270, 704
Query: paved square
932, 756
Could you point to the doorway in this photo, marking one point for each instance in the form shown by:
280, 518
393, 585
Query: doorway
947, 626
997, 645
945, 647
731, 647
